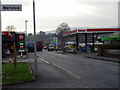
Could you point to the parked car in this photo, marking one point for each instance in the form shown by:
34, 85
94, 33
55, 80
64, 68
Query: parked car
5, 52
50, 48
68, 49
45, 47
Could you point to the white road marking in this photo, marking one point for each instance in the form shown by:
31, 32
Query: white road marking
67, 71
56, 54
44, 61
112, 70
72, 74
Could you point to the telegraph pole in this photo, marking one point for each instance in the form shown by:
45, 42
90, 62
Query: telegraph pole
35, 57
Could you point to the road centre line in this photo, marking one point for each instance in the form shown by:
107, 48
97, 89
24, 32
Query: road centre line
56, 54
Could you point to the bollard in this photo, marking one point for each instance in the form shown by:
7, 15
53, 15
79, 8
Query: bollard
9, 59
21, 54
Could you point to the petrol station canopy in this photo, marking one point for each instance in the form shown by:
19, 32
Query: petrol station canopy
96, 30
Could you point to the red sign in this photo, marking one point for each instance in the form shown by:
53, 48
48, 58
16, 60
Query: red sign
21, 37
4, 33
7, 33
10, 35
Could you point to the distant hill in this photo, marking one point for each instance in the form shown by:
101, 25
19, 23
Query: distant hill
51, 31
73, 28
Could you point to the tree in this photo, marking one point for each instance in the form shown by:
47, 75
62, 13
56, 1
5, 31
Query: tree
10, 28
30, 34
42, 33
62, 28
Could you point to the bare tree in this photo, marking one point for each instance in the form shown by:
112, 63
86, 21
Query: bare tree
62, 28
10, 28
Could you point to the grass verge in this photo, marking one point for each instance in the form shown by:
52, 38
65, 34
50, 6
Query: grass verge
13, 74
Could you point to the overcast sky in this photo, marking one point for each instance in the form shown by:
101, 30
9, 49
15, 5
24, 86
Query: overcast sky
51, 13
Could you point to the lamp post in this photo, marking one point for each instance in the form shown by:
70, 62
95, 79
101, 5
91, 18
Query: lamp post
26, 27
26, 31
34, 23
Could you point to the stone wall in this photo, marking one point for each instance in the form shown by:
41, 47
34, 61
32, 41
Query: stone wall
107, 51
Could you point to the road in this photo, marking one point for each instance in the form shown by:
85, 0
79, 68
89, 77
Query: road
57, 70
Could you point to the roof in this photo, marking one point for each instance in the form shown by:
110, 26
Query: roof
95, 30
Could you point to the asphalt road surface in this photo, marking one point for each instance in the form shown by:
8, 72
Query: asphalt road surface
57, 70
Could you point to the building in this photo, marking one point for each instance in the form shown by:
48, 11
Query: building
11, 40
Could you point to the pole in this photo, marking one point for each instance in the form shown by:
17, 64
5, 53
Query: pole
26, 26
15, 55
93, 45
35, 58
86, 41
26, 32
0, 50
77, 44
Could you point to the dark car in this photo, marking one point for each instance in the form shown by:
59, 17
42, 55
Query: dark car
30, 47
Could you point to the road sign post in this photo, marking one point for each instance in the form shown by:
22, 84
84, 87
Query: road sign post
0, 51
6, 7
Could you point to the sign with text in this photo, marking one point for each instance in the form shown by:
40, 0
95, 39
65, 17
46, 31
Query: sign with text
11, 7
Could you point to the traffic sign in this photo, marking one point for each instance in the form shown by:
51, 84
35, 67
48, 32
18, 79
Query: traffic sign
21, 50
11, 7
21, 37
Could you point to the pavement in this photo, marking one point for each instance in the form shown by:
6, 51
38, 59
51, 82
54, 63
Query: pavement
19, 59
105, 58
60, 52
95, 56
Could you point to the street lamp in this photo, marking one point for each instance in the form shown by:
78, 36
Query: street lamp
26, 27
26, 32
